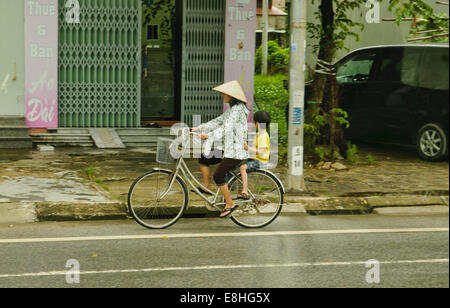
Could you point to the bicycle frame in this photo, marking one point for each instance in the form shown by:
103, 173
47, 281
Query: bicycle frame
185, 173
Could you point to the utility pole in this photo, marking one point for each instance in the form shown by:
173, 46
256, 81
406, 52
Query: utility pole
265, 37
297, 95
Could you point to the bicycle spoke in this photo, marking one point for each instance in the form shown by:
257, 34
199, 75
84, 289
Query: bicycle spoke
147, 205
266, 198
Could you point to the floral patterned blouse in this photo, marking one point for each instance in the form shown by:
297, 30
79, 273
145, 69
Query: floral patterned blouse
229, 132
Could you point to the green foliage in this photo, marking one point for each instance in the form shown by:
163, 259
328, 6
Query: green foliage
323, 152
321, 121
343, 27
311, 129
340, 116
283, 154
371, 160
352, 152
320, 152
278, 59
426, 18
90, 172
271, 96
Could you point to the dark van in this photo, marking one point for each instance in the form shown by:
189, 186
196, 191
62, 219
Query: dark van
398, 94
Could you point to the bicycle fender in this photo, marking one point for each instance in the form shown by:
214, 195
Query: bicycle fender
273, 174
165, 170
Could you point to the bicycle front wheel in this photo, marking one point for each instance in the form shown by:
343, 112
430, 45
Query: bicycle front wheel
266, 200
155, 204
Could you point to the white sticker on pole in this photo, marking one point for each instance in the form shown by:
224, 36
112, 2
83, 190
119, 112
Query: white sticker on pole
297, 161
299, 99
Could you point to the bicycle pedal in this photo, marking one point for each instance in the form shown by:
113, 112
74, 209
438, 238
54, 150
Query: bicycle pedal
209, 207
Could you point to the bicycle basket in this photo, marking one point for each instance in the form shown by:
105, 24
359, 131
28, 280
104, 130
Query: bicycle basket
163, 155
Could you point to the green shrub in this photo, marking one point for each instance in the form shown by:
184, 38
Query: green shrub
271, 96
371, 160
320, 152
278, 59
90, 172
279, 62
352, 152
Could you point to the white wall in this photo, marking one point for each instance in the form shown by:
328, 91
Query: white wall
12, 52
383, 33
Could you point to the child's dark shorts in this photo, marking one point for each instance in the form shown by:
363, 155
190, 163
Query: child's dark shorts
253, 164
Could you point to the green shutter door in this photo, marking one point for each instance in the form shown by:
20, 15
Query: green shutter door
203, 58
100, 65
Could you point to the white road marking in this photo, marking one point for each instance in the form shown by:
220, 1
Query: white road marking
224, 267
215, 235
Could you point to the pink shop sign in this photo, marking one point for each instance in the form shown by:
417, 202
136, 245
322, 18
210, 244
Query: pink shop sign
240, 41
41, 63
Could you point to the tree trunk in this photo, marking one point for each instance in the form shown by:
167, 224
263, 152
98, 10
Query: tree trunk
326, 53
337, 137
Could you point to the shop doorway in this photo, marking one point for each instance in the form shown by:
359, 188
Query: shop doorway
161, 61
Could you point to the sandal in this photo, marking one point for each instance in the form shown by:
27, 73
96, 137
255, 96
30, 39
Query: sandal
243, 196
230, 211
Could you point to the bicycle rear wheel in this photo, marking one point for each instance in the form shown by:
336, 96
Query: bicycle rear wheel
149, 207
266, 200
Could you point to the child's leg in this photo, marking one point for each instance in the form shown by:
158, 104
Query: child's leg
244, 176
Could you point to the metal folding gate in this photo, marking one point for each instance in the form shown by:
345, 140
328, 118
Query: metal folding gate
100, 65
203, 58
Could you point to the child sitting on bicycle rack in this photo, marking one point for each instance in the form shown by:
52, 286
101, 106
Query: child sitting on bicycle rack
259, 151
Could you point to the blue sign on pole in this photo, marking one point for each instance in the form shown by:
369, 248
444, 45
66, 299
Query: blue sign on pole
297, 117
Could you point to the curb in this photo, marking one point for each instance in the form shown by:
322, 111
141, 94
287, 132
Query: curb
367, 205
332, 206
64, 211
295, 206
413, 210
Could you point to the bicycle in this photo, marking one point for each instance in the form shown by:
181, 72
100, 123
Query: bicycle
159, 198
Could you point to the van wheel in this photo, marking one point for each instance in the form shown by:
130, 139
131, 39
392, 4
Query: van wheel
432, 142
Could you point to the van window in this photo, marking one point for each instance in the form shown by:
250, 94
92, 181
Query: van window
435, 72
410, 67
357, 69
400, 65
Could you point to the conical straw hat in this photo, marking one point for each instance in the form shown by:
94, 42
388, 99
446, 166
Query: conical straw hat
232, 89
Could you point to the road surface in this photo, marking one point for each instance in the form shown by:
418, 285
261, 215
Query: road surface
294, 252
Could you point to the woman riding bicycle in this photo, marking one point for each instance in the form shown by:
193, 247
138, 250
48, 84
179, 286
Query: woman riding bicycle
230, 130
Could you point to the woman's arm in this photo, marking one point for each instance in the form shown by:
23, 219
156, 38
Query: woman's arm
212, 125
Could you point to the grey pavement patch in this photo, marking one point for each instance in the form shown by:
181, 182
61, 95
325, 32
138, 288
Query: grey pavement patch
31, 189
294, 209
17, 213
413, 210
45, 148
106, 138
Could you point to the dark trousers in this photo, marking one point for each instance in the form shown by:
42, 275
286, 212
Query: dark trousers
226, 165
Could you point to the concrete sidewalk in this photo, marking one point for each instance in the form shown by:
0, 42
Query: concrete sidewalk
91, 184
